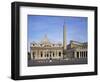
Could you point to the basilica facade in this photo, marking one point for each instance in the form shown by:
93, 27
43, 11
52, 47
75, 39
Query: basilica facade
46, 50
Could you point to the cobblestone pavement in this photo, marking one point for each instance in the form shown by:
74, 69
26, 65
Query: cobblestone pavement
57, 62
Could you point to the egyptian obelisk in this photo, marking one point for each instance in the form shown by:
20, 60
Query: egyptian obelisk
64, 37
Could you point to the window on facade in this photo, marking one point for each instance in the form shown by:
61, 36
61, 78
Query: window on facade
59, 53
47, 55
77, 54
33, 53
53, 45
41, 44
86, 53
50, 55
82, 55
53, 54
41, 54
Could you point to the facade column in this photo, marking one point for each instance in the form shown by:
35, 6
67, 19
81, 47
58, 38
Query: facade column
75, 54
82, 54
55, 54
37, 54
79, 54
31, 55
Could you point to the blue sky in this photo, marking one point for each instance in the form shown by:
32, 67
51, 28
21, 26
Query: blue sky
52, 26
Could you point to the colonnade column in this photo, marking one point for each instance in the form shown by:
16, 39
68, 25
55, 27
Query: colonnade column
75, 54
